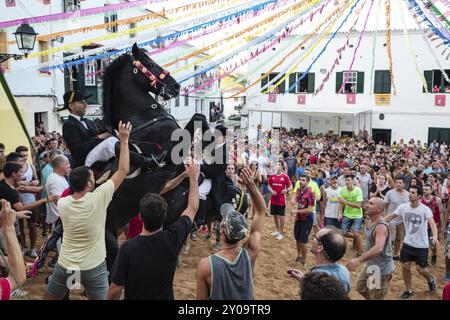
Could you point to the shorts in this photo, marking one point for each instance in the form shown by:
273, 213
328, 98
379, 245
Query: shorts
95, 281
447, 243
315, 220
364, 287
277, 210
397, 232
333, 222
32, 216
351, 224
417, 255
302, 229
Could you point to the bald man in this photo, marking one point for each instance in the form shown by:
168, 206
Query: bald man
373, 281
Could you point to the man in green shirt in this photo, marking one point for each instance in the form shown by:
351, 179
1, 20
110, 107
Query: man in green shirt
350, 211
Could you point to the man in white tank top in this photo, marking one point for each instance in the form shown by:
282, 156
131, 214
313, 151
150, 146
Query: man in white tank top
28, 188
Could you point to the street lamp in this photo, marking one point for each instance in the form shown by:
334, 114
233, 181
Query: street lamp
25, 38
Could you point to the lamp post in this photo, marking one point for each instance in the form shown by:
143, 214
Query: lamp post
25, 38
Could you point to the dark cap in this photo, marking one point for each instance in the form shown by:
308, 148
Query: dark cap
233, 222
73, 96
222, 129
333, 176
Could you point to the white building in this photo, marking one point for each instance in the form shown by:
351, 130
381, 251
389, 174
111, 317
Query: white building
41, 93
411, 113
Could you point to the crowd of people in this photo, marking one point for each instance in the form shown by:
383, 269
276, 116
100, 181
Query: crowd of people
394, 199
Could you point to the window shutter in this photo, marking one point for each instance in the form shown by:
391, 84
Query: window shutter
378, 82
282, 86
360, 83
428, 74
339, 79
292, 78
264, 82
311, 82
387, 82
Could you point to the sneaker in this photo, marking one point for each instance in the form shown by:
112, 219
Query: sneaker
18, 293
300, 260
193, 237
275, 233
432, 285
25, 251
280, 236
396, 258
33, 253
433, 259
407, 294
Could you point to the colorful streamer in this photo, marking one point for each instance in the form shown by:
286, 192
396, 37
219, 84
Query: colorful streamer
410, 47
339, 11
347, 75
78, 13
374, 43
320, 53
389, 44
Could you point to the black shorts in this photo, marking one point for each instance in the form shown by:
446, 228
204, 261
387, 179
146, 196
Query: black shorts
418, 255
277, 210
302, 228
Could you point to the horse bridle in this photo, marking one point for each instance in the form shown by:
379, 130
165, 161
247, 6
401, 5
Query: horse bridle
153, 79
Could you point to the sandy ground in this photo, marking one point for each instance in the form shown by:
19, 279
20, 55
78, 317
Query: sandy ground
270, 278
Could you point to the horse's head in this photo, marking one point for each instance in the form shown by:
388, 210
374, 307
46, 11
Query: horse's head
151, 77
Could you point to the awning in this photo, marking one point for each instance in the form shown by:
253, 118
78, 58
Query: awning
315, 111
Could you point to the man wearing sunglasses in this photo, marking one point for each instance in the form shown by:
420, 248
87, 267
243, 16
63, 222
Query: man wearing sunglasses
328, 247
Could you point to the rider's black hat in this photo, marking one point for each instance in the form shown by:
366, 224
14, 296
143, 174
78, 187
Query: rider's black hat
72, 96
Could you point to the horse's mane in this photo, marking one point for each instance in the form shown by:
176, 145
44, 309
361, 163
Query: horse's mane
109, 78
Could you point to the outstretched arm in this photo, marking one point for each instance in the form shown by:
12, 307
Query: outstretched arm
124, 157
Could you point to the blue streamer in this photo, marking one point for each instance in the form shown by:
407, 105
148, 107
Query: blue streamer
322, 51
259, 40
160, 39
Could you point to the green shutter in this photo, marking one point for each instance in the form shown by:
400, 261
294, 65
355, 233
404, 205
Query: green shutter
292, 78
339, 79
387, 82
360, 83
311, 82
428, 74
378, 82
264, 81
282, 86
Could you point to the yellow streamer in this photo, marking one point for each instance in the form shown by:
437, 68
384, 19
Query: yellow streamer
119, 34
411, 50
233, 36
388, 42
316, 30
292, 69
258, 28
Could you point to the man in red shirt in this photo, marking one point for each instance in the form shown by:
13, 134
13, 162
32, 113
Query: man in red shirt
279, 186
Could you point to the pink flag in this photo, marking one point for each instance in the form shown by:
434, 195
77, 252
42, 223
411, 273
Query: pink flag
10, 3
301, 99
351, 98
272, 98
439, 100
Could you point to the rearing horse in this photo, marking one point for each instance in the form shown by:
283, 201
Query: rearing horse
127, 83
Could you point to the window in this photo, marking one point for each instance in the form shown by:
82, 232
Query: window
71, 5
43, 46
382, 81
355, 82
90, 69
279, 89
177, 101
306, 85
111, 17
436, 82
132, 26
186, 101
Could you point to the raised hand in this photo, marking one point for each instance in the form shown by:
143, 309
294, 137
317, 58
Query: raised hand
7, 214
124, 131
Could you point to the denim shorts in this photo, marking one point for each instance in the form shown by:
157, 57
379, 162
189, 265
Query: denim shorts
333, 222
351, 224
95, 282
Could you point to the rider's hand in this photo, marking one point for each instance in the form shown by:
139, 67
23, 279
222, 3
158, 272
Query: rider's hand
124, 131
103, 136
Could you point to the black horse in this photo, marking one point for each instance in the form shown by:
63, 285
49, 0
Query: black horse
127, 83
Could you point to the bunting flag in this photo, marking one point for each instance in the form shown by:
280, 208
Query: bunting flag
439, 100
10, 3
272, 98
301, 99
351, 98
382, 99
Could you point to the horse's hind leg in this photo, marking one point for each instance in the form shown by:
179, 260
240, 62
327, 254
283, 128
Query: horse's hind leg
112, 248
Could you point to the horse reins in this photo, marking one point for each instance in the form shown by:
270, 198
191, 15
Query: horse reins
153, 79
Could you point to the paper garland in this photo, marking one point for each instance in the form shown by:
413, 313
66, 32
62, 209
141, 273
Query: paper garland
347, 75
320, 53
410, 47
387, 5
78, 13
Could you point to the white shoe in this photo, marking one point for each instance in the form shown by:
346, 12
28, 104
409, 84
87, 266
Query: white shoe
279, 236
18, 293
275, 233
33, 253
